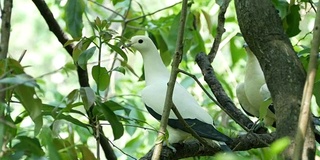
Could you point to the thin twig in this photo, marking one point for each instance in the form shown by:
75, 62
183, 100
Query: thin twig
131, 125
152, 13
114, 12
201, 86
22, 55
173, 76
302, 38
189, 129
308, 90
220, 30
122, 150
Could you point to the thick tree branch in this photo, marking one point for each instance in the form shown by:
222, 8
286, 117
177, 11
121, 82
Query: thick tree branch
5, 37
262, 29
194, 148
4, 45
82, 74
5, 28
173, 76
304, 117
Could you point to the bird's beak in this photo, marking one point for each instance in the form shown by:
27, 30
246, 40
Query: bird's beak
128, 45
245, 45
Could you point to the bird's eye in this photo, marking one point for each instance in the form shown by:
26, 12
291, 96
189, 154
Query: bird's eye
140, 41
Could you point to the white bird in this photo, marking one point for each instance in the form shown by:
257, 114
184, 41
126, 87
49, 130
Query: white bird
153, 95
253, 94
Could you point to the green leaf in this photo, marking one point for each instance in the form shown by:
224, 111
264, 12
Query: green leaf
229, 156
282, 7
71, 41
28, 98
293, 20
22, 79
86, 152
87, 96
80, 47
84, 134
264, 108
220, 2
120, 69
51, 110
72, 96
114, 2
207, 17
10, 128
173, 34
66, 148
198, 44
73, 17
236, 52
114, 105
101, 77
279, 145
47, 140
12, 65
85, 56
106, 36
117, 127
72, 120
119, 51
98, 23
316, 92
29, 145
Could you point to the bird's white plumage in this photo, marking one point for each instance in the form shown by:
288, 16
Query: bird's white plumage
253, 92
184, 102
153, 95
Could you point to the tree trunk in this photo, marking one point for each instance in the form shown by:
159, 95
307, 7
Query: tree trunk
262, 29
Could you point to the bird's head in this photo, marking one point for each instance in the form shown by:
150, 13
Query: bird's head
141, 43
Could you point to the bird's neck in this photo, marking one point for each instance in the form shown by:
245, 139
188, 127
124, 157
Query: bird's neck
154, 68
254, 69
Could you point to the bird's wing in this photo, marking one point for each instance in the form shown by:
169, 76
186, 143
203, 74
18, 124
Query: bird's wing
264, 92
267, 105
203, 129
196, 117
244, 102
154, 97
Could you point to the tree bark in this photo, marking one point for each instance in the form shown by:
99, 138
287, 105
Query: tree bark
262, 29
196, 149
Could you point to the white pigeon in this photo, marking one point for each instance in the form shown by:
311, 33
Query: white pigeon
253, 93
153, 95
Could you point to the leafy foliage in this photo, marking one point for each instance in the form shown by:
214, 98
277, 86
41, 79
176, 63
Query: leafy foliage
36, 125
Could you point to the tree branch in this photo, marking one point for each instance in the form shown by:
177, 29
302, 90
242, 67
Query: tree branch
5, 37
173, 76
194, 148
82, 74
304, 117
5, 28
226, 103
220, 30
